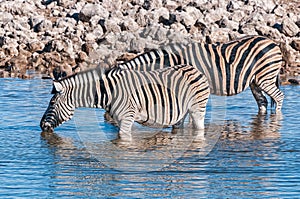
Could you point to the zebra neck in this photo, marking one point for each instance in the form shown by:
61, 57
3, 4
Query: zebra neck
103, 97
85, 89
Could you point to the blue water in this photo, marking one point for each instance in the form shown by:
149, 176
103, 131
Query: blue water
253, 157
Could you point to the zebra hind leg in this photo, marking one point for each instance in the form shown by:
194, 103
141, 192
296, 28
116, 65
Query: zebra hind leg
260, 98
197, 118
273, 91
180, 123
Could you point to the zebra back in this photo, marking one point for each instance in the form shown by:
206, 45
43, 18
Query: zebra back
229, 67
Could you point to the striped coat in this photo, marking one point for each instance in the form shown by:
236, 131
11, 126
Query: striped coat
157, 98
230, 68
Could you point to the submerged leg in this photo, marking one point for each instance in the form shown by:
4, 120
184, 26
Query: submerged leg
261, 100
273, 91
198, 118
125, 128
180, 123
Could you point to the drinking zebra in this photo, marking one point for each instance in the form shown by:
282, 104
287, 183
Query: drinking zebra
230, 68
156, 98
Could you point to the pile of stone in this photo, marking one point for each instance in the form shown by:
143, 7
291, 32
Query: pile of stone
62, 35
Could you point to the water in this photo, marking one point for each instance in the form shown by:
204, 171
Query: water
253, 157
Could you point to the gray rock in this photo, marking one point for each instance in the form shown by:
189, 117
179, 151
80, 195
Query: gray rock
279, 11
43, 26
161, 13
35, 20
65, 22
142, 17
289, 28
296, 44
171, 5
267, 5
5, 17
90, 10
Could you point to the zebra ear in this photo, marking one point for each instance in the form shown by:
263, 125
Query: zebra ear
57, 86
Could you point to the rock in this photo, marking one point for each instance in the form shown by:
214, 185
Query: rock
296, 44
160, 14
219, 35
279, 11
43, 26
267, 5
63, 33
171, 5
111, 25
82, 56
35, 20
129, 24
65, 3
65, 22
90, 10
154, 4
289, 28
215, 15
6, 17
142, 18
294, 81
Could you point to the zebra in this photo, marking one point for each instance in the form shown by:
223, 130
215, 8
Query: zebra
230, 68
158, 98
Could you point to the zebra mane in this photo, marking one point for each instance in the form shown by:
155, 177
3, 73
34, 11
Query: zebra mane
99, 69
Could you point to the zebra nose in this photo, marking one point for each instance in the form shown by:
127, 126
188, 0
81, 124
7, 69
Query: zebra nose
46, 127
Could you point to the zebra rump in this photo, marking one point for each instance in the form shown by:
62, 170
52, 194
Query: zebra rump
156, 98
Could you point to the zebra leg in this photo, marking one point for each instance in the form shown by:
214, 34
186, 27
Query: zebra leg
125, 129
198, 118
180, 123
260, 98
273, 91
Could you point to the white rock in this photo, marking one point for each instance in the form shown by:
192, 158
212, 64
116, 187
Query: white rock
90, 10
44, 25
289, 28
161, 12
142, 17
34, 20
279, 11
6, 17
65, 22
171, 5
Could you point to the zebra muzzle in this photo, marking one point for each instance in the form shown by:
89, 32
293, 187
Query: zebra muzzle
46, 127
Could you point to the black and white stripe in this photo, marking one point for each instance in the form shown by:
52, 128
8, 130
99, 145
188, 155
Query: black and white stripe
230, 68
155, 98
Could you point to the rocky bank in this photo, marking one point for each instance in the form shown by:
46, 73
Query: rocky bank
63, 35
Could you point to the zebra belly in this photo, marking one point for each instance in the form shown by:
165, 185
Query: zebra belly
157, 120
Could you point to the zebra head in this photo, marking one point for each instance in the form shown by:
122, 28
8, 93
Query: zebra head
60, 109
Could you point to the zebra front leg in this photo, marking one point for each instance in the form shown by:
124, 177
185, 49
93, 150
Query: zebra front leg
260, 98
125, 129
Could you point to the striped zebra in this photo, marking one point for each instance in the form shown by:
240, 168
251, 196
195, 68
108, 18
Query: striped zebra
230, 68
156, 98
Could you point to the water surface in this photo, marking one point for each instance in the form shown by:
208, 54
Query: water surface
254, 156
